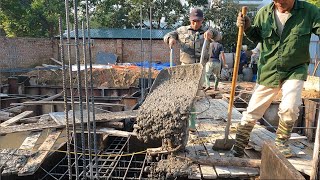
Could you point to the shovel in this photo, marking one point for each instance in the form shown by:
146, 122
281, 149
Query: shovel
226, 143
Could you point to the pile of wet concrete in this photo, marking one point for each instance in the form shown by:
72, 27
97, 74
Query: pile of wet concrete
164, 113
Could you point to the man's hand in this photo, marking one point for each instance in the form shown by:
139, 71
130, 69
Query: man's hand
243, 21
207, 35
172, 42
225, 66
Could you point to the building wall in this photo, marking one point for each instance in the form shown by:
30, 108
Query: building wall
25, 52
130, 50
31, 52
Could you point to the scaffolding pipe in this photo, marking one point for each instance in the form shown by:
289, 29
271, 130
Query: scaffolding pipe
75, 148
65, 97
94, 126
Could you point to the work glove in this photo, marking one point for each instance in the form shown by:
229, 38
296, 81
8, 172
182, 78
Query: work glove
243, 21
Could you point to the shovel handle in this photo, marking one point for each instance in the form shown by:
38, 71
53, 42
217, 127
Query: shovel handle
171, 57
204, 46
235, 74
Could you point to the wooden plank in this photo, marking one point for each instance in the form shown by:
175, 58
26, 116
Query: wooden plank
190, 152
281, 168
16, 118
215, 109
53, 59
59, 117
34, 162
18, 159
310, 117
114, 132
42, 102
30, 141
29, 127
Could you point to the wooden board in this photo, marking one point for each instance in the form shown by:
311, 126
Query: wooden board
59, 117
60, 121
16, 118
30, 141
29, 127
19, 158
208, 131
34, 162
280, 169
42, 102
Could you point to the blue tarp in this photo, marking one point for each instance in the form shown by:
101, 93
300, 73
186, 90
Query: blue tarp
156, 65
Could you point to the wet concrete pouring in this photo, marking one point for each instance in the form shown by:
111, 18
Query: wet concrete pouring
164, 114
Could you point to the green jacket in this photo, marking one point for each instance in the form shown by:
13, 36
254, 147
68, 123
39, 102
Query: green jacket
287, 56
191, 42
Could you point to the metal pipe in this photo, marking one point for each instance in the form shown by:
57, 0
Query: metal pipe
87, 99
75, 149
65, 97
94, 126
79, 80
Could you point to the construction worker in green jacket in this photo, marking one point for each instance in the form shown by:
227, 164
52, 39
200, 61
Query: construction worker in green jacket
284, 29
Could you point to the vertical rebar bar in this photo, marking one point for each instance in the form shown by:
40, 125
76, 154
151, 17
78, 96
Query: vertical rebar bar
77, 58
65, 96
150, 61
75, 149
87, 98
94, 127
142, 82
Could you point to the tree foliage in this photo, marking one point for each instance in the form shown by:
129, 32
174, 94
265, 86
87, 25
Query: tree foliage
34, 18
126, 13
315, 2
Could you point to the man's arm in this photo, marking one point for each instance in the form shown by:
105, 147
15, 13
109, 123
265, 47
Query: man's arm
172, 34
223, 57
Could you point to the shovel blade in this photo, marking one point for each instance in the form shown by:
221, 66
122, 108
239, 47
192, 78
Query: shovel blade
223, 144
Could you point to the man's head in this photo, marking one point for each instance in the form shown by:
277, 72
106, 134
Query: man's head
196, 18
284, 5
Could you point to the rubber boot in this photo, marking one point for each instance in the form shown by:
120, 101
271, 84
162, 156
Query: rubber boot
242, 139
192, 121
283, 134
216, 82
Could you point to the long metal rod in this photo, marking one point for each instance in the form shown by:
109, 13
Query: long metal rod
79, 80
65, 98
75, 149
94, 126
142, 83
150, 52
87, 99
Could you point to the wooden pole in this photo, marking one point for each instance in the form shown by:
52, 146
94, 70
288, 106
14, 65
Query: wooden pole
226, 161
315, 162
235, 74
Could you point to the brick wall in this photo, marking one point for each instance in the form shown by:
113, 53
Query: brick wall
25, 52
29, 52
130, 50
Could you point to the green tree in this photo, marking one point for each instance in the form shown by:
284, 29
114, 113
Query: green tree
315, 2
33, 18
126, 14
